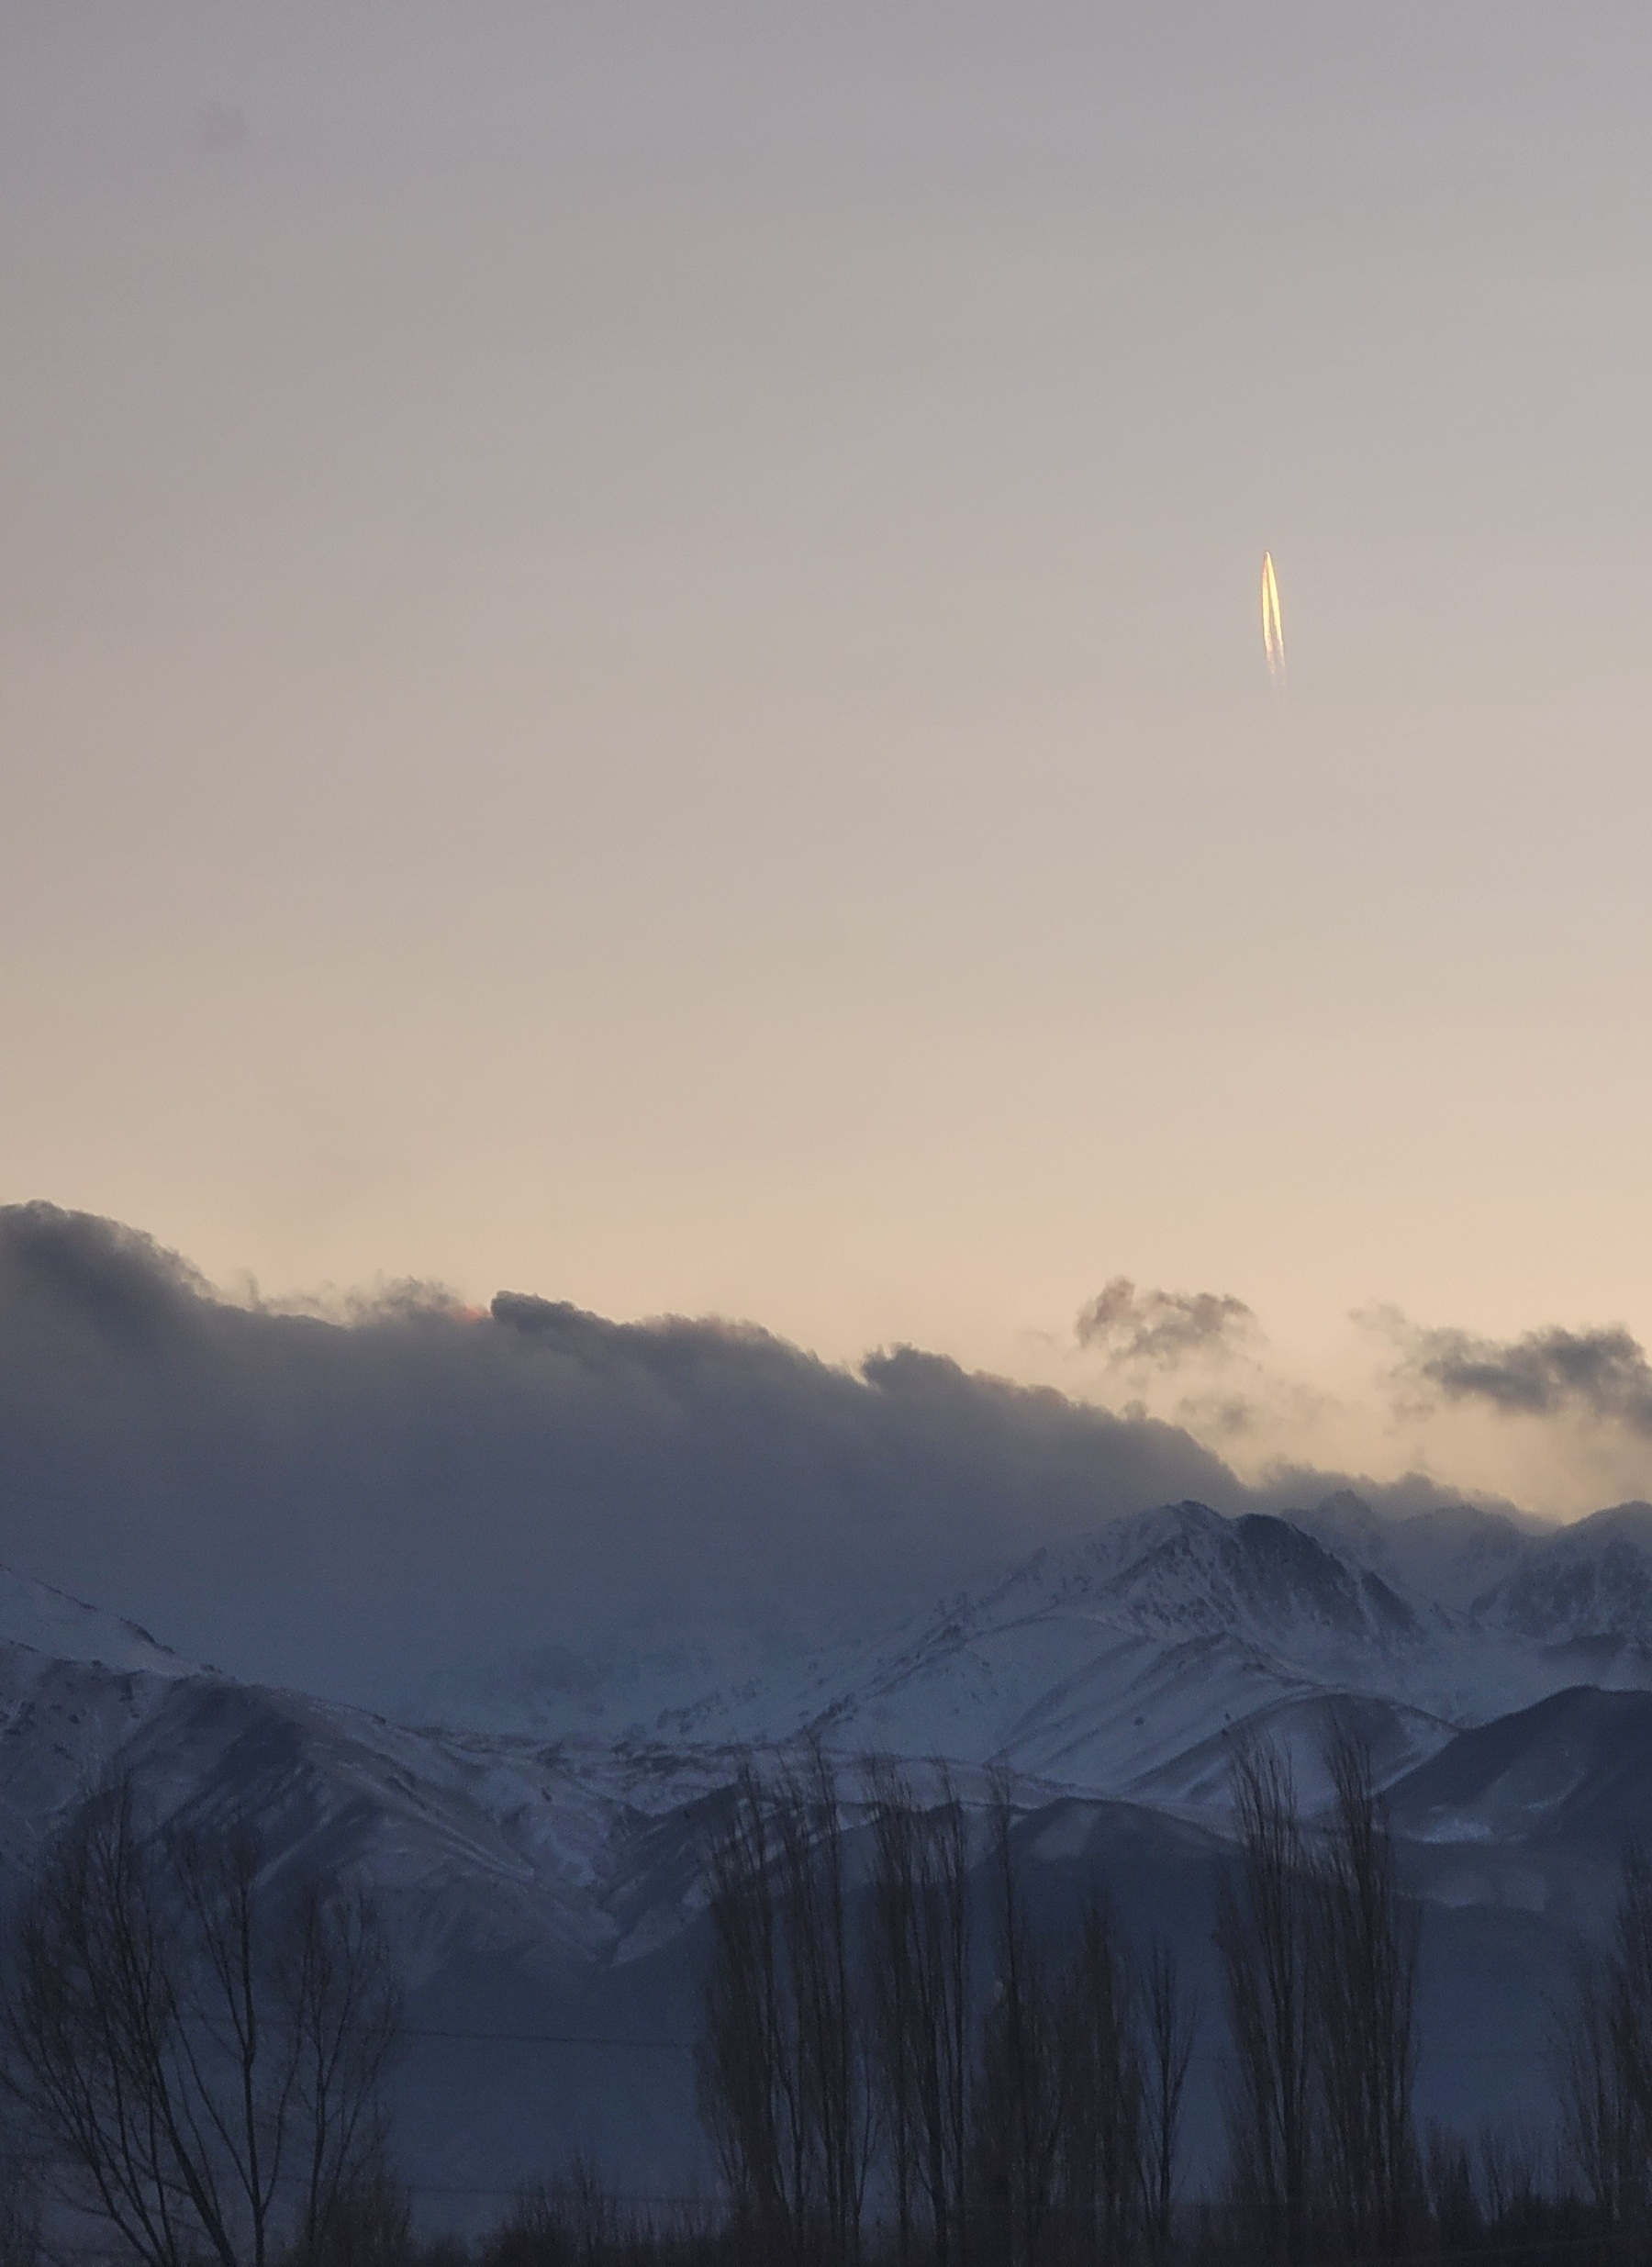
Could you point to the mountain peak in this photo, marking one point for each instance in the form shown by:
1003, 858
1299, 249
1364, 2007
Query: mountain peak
1632, 1521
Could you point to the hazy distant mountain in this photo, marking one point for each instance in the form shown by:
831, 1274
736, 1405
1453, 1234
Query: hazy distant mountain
1453, 1555
1586, 1585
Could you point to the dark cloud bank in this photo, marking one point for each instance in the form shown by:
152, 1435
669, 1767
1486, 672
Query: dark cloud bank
353, 1505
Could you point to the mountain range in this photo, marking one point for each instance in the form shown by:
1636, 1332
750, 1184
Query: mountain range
533, 1828
1122, 1664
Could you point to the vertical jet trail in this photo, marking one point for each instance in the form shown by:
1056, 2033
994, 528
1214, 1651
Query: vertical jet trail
1273, 627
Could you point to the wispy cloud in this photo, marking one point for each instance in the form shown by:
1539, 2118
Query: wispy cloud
1162, 1330
1599, 1374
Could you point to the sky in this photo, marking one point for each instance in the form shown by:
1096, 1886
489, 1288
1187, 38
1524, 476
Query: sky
629, 672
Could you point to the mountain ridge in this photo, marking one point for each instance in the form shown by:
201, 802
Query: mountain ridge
547, 1889
1098, 1661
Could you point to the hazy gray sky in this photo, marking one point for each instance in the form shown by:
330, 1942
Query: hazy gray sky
629, 665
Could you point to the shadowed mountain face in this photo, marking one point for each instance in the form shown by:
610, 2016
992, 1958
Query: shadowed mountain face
1575, 1770
544, 1883
1261, 1575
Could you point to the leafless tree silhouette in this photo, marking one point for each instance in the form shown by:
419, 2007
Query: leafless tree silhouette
1172, 2025
1101, 2094
784, 2085
1601, 2054
1262, 1940
1017, 2105
1363, 1971
918, 1958
199, 2049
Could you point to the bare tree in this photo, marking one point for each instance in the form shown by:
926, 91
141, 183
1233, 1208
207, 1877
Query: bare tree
836, 2103
1262, 1940
343, 2001
1018, 2106
784, 2085
1101, 2094
892, 1983
1596, 2121
1363, 1978
1172, 2026
371, 2225
199, 2054
747, 2082
919, 1957
1601, 2056
943, 2019
19, 2209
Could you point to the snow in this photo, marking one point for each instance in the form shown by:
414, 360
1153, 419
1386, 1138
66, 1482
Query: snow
49, 1622
1124, 1663
1120, 1666
539, 1863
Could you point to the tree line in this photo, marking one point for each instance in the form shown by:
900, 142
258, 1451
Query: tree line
899, 2064
915, 2073
918, 2071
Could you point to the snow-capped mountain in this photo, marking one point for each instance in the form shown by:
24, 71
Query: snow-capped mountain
544, 1883
428, 1815
1453, 1555
1122, 1664
1586, 1585
528, 1889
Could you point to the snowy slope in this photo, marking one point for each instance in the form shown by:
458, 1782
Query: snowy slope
1122, 1664
472, 1841
50, 1623
75, 1685
1452, 1555
1589, 1584
1099, 1667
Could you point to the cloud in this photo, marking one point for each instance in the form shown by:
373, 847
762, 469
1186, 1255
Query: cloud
1601, 1374
354, 1499
1160, 1330
1219, 1416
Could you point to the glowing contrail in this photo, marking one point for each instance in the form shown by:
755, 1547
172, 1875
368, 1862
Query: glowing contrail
1273, 626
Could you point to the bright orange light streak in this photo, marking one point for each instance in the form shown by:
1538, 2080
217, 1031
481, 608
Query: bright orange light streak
1273, 626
